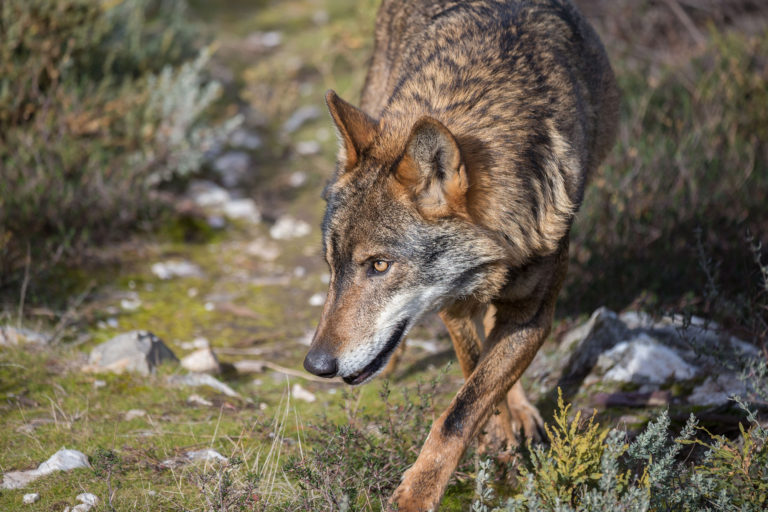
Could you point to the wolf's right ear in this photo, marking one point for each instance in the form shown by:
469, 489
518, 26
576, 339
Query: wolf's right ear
356, 128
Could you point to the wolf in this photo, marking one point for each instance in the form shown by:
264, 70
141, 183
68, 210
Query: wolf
456, 184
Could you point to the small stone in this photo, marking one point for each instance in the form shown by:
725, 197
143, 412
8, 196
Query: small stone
203, 360
242, 209
717, 390
13, 336
98, 383
206, 454
263, 249
31, 498
232, 167
317, 299
299, 272
195, 399
207, 194
249, 366
83, 507
135, 413
307, 147
196, 343
135, 351
297, 179
301, 116
131, 303
203, 379
300, 393
287, 228
263, 406
176, 268
88, 499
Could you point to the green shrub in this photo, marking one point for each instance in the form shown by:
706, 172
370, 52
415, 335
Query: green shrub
589, 469
99, 103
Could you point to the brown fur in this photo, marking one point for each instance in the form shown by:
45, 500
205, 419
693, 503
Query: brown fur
481, 122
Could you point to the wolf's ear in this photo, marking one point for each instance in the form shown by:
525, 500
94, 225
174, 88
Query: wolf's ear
432, 169
356, 128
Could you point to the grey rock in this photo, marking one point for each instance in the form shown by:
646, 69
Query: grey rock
242, 138
636, 348
135, 351
63, 460
14, 336
207, 194
135, 413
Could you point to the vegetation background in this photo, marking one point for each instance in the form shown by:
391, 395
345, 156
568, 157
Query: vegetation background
111, 112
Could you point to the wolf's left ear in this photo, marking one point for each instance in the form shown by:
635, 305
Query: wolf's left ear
432, 169
356, 128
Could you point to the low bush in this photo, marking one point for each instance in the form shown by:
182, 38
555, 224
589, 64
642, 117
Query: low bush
100, 102
587, 468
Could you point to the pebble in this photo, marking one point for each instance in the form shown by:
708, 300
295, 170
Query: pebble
195, 399
202, 360
242, 209
300, 393
288, 227
135, 413
175, 268
318, 299
31, 498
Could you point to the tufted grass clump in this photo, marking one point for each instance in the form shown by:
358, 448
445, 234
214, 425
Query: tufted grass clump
587, 468
100, 102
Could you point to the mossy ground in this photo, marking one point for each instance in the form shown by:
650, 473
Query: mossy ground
47, 403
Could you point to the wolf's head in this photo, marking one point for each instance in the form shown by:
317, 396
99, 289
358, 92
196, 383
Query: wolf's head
397, 237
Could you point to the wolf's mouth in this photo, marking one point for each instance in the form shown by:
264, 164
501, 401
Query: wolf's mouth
379, 361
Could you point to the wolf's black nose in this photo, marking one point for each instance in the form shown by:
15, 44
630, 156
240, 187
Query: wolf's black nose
320, 362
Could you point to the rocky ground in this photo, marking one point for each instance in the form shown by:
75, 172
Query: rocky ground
176, 353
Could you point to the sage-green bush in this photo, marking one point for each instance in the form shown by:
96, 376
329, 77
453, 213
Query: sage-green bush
99, 103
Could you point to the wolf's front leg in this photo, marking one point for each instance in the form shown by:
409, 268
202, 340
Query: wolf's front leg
424, 483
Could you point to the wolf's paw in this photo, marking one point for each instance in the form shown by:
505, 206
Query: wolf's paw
527, 424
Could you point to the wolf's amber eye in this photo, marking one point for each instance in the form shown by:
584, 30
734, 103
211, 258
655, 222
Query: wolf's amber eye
380, 266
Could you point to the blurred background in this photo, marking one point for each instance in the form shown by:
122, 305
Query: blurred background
161, 164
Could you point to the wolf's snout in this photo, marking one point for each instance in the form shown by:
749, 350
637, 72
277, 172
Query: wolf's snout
321, 363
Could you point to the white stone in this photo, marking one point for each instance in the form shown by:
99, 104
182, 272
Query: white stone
242, 209
131, 303
287, 227
300, 393
175, 268
196, 399
207, 194
63, 460
263, 249
135, 413
307, 147
205, 454
203, 379
196, 343
83, 507
31, 498
203, 360
317, 299
88, 499
643, 360
297, 179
